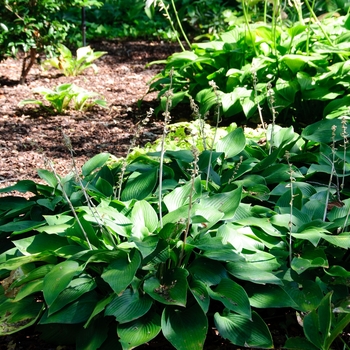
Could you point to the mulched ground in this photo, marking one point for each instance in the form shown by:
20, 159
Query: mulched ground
29, 135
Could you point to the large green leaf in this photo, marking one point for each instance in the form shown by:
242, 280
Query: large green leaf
226, 202
321, 131
94, 163
232, 144
144, 219
58, 279
186, 329
269, 296
76, 312
244, 331
121, 271
233, 296
317, 323
200, 292
180, 195
128, 306
139, 331
76, 288
171, 289
16, 316
140, 185
208, 271
248, 271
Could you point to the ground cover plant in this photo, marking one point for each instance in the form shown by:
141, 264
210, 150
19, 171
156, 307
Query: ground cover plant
226, 234
289, 70
205, 228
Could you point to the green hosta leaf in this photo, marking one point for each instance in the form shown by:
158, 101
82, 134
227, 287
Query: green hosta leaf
21, 226
307, 297
140, 185
226, 202
32, 275
180, 196
76, 288
128, 306
76, 312
171, 290
140, 331
94, 163
16, 316
143, 216
342, 240
185, 329
40, 243
297, 62
48, 176
200, 292
270, 296
208, 271
337, 108
248, 271
233, 296
21, 186
317, 323
321, 131
232, 144
243, 331
29, 288
298, 343
121, 271
58, 279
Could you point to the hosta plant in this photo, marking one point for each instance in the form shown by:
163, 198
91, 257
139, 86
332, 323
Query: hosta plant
227, 236
296, 75
72, 66
64, 96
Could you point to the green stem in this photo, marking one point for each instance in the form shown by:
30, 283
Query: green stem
245, 13
179, 24
313, 15
172, 25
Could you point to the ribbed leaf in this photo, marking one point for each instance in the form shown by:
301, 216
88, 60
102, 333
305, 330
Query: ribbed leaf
242, 331
129, 306
232, 144
186, 329
140, 185
94, 163
171, 290
121, 271
140, 331
233, 296
58, 279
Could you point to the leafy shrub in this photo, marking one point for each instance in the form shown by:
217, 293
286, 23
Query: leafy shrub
299, 74
32, 26
264, 230
61, 97
73, 66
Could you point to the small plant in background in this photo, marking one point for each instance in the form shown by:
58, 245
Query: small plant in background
63, 96
34, 28
72, 66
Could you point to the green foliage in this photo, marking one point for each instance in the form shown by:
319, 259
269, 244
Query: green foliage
61, 97
33, 27
299, 74
254, 239
73, 66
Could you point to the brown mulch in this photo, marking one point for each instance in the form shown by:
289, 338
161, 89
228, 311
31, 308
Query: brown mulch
29, 136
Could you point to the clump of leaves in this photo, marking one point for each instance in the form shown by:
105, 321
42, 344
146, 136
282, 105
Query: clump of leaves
72, 66
303, 67
224, 253
64, 96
